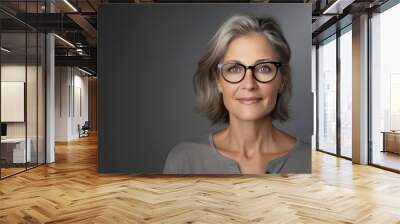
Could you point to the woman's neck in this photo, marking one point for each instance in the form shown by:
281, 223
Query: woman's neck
251, 137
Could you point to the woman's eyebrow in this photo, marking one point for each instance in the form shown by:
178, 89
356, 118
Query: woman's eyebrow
263, 60
233, 61
258, 61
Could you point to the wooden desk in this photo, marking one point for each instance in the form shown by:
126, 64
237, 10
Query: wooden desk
391, 141
13, 150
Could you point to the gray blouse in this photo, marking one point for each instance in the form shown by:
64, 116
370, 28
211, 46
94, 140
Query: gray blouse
200, 156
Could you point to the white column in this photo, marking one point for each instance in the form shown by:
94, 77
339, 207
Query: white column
360, 90
50, 92
314, 93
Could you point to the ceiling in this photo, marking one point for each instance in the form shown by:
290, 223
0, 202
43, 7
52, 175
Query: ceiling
76, 22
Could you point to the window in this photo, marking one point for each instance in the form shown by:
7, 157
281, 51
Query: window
346, 92
327, 95
385, 88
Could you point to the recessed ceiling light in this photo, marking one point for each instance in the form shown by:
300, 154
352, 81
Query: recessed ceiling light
5, 50
84, 71
334, 8
70, 5
64, 40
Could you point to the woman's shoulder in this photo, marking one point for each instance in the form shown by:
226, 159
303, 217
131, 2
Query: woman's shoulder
185, 150
190, 147
191, 144
302, 147
299, 159
293, 143
189, 155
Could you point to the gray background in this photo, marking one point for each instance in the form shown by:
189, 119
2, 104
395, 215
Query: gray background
147, 55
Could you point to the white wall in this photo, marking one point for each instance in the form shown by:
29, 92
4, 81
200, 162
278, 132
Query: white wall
70, 94
62, 81
12, 73
16, 73
33, 127
80, 103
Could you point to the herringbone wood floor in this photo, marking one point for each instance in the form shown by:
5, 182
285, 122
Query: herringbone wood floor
71, 191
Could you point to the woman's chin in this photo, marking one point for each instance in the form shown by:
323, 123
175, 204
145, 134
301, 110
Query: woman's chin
250, 116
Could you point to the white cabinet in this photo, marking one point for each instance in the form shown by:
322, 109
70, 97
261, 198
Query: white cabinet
18, 146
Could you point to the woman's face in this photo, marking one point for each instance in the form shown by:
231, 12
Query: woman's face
247, 50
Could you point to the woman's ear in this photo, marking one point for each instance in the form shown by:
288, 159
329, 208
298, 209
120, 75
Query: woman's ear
281, 87
219, 88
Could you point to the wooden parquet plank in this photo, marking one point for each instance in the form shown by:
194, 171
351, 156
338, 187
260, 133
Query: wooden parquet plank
71, 191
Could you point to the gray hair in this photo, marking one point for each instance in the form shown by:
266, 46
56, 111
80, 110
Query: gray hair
209, 99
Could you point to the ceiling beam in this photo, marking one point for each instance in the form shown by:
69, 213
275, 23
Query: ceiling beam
83, 61
86, 26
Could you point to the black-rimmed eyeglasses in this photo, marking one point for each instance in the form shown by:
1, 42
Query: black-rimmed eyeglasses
263, 72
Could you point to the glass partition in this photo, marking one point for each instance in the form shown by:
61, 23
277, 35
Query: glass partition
346, 92
31, 100
14, 153
327, 95
41, 91
22, 77
385, 89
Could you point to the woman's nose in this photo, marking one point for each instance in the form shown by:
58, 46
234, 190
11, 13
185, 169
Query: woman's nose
248, 81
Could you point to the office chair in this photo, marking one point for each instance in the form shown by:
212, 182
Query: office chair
84, 130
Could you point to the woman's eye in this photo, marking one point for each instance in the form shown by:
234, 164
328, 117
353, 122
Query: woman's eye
234, 69
264, 68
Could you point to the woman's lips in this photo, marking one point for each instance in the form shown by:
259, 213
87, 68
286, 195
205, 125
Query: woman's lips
250, 100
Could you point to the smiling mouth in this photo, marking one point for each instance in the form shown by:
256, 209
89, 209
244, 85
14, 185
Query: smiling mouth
249, 101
